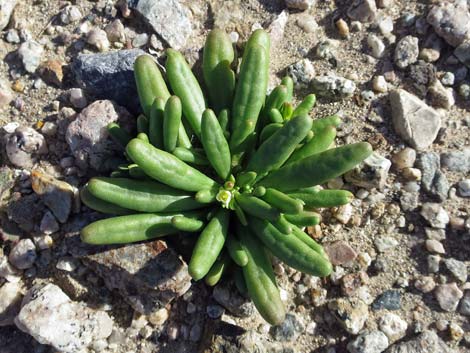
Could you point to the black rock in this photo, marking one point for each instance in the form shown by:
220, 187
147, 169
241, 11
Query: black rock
109, 76
390, 299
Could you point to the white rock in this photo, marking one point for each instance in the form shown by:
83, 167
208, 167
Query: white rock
68, 264
379, 84
6, 9
386, 25
344, 213
435, 214
98, 38
415, 122
369, 342
30, 53
376, 45
70, 14
23, 254
393, 326
10, 302
52, 318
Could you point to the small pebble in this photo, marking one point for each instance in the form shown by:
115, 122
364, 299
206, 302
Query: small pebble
343, 28
464, 188
376, 45
98, 38
390, 299
425, 284
68, 264
448, 295
435, 246
448, 79
379, 84
433, 263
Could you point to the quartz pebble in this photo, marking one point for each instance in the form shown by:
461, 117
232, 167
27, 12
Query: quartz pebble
435, 214
435, 246
393, 326
369, 342
448, 295
30, 53
379, 84
23, 255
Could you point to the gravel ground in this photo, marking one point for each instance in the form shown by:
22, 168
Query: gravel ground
396, 71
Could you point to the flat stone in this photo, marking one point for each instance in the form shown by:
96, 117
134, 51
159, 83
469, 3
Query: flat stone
6, 9
406, 52
23, 254
390, 299
451, 21
226, 294
393, 326
25, 146
148, 275
350, 314
340, 252
170, 19
369, 342
448, 296
10, 302
457, 161
362, 10
434, 182
435, 214
426, 342
371, 173
413, 120
87, 135
457, 268
52, 318
109, 76
333, 87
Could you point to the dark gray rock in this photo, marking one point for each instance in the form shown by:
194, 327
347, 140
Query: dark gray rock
227, 295
434, 182
109, 76
390, 299
25, 210
147, 275
421, 75
170, 19
288, 330
427, 342
457, 161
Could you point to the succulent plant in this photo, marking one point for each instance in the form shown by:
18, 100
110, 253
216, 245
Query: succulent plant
245, 174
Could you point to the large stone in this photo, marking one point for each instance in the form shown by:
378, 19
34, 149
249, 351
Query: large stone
87, 136
170, 19
56, 194
109, 76
52, 318
10, 302
415, 122
148, 275
451, 20
427, 342
6, 9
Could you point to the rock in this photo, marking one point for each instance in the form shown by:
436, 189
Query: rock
26, 211
457, 161
148, 275
405, 158
6, 93
464, 188
433, 263
52, 318
87, 135
342, 27
384, 243
435, 246
379, 84
434, 182
390, 299
385, 24
362, 10
406, 52
70, 14
226, 294
415, 122
371, 173
115, 31
109, 76
300, 4
77, 98
457, 268
376, 45
99, 39
67, 263
170, 19
276, 29
369, 342
7, 271
448, 295
426, 342
333, 87
23, 254
440, 96
30, 53
10, 302
140, 40
24, 146
420, 76
451, 21
340, 253
307, 23
425, 284
351, 314
465, 304
435, 214
51, 72
289, 330
393, 326
344, 213
462, 52
56, 194
6, 9
302, 73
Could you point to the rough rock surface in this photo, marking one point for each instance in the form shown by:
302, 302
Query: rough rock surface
427, 342
451, 20
52, 318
